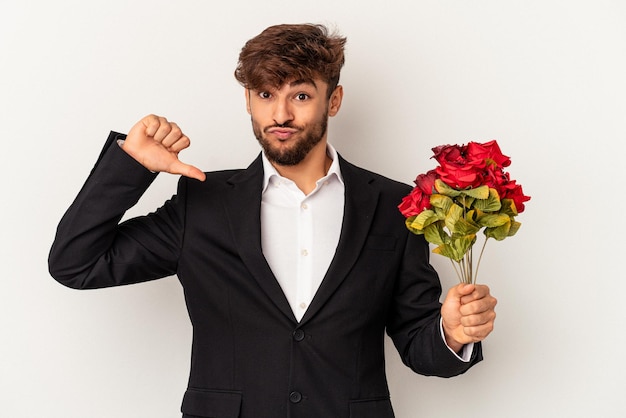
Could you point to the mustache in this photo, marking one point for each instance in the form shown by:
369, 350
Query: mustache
287, 124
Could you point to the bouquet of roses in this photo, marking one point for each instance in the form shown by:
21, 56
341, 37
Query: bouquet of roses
467, 192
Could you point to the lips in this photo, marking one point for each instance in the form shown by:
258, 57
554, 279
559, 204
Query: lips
282, 133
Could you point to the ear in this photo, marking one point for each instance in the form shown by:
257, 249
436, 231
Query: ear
334, 103
247, 94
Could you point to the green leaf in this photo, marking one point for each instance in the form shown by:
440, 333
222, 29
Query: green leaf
465, 227
508, 207
481, 192
419, 222
457, 248
441, 202
500, 232
491, 203
444, 189
409, 224
426, 218
454, 214
435, 234
514, 228
494, 220
465, 243
446, 251
440, 213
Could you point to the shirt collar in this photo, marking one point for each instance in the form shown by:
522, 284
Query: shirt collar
333, 171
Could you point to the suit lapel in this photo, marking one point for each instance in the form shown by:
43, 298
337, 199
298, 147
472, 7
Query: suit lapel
361, 198
243, 208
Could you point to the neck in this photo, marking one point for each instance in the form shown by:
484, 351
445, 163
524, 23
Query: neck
306, 173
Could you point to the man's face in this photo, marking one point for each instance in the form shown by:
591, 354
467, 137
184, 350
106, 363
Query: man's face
288, 122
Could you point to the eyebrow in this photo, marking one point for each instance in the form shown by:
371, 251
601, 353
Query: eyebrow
296, 83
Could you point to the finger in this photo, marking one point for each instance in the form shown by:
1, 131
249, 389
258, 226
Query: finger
178, 167
151, 122
478, 306
165, 127
487, 317
175, 134
182, 143
461, 290
478, 292
478, 333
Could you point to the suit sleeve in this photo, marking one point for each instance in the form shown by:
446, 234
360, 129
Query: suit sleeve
92, 249
414, 321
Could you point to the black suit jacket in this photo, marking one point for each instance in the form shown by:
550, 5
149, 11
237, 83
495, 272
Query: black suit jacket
250, 357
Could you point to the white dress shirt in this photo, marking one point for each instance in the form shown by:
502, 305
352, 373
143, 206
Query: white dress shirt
300, 233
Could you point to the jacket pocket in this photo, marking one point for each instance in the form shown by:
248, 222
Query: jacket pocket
371, 408
211, 403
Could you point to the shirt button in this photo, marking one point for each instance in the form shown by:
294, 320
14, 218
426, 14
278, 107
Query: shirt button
304, 252
304, 206
295, 397
302, 305
298, 335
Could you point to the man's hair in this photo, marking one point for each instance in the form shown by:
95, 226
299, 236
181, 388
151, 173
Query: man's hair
286, 53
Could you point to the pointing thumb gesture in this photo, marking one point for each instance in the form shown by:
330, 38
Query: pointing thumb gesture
187, 170
155, 143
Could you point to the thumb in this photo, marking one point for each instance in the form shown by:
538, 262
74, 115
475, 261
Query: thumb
178, 167
461, 289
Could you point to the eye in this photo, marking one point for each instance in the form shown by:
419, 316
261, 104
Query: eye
302, 96
265, 94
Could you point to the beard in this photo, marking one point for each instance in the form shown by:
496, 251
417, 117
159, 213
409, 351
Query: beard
307, 137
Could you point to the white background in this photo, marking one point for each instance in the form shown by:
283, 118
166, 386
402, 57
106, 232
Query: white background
545, 78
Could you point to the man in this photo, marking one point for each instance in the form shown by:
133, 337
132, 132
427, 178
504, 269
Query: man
293, 268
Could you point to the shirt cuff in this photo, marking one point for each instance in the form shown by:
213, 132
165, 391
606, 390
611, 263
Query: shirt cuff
466, 351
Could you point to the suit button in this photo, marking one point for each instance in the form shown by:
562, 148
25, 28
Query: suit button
295, 397
298, 335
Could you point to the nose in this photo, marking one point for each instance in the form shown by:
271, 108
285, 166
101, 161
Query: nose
282, 112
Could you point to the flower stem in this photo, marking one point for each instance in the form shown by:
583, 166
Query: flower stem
458, 274
470, 265
480, 257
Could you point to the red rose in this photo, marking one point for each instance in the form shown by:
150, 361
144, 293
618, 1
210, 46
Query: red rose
507, 188
451, 153
414, 203
497, 179
419, 198
455, 169
515, 193
489, 153
426, 182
